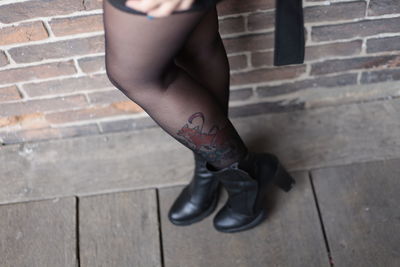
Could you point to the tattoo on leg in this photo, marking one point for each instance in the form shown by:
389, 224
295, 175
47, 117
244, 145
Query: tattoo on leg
217, 145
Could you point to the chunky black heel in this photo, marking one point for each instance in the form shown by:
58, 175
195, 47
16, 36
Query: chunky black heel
246, 182
283, 179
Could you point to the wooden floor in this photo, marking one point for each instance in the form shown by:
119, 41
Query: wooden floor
90, 202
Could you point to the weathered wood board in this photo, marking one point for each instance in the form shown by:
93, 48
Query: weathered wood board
361, 213
290, 236
119, 229
38, 233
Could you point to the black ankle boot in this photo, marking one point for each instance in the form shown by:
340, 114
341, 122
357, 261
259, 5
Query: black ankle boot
198, 199
246, 182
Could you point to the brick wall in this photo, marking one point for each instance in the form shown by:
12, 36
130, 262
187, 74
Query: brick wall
53, 82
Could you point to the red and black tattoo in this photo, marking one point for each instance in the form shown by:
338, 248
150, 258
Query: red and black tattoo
218, 145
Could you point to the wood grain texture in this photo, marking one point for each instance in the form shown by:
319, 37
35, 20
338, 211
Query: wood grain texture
39, 233
119, 229
360, 209
290, 236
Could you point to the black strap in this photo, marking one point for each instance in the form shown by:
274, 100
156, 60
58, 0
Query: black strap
289, 33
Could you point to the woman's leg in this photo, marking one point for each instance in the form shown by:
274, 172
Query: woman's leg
204, 58
140, 57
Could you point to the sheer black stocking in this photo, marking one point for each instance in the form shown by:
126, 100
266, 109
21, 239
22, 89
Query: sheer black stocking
205, 43
149, 61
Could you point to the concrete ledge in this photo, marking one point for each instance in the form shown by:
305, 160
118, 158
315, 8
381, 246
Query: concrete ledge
150, 158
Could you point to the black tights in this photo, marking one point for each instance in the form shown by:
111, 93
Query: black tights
176, 69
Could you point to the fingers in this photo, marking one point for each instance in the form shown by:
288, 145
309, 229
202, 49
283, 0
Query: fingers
143, 5
159, 8
185, 4
165, 9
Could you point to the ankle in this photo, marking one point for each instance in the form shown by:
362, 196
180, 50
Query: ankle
241, 161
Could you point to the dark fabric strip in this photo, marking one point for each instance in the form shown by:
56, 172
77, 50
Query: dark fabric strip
196, 6
289, 33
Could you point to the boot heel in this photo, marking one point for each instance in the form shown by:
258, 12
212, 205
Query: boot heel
283, 179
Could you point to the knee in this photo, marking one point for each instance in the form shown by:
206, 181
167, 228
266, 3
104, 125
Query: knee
134, 82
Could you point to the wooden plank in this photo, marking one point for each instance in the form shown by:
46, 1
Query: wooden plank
37, 234
119, 229
360, 210
151, 158
290, 236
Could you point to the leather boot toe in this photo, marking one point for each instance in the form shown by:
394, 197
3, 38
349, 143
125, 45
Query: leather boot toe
198, 199
184, 211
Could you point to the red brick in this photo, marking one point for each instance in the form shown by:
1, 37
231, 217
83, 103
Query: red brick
240, 94
48, 133
127, 124
267, 74
37, 72
41, 134
355, 29
265, 108
340, 65
249, 42
332, 50
259, 59
38, 8
90, 113
43, 105
25, 32
60, 49
231, 25
75, 25
107, 97
92, 64
32, 121
335, 11
92, 4
237, 62
228, 7
382, 7
3, 59
6, 121
78, 130
68, 85
24, 121
380, 76
261, 21
127, 105
383, 44
9, 93
287, 88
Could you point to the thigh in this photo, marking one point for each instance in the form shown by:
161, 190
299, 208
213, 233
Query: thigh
203, 38
139, 49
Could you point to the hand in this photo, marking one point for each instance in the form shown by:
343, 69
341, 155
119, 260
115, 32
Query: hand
159, 8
